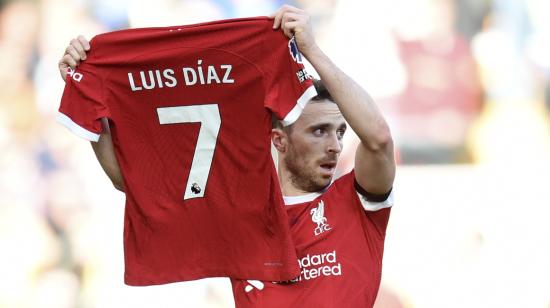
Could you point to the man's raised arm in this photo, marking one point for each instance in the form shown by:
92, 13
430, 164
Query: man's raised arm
374, 159
103, 148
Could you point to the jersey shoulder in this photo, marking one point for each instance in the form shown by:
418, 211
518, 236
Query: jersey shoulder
346, 187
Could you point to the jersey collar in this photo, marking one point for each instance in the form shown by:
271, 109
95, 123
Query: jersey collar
291, 200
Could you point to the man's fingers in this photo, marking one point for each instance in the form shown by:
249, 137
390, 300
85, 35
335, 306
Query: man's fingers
72, 52
277, 19
68, 60
85, 43
291, 21
64, 64
289, 32
288, 16
291, 26
283, 10
77, 45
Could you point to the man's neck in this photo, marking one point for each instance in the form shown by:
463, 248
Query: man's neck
291, 191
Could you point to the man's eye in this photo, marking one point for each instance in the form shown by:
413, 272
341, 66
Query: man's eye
318, 132
341, 133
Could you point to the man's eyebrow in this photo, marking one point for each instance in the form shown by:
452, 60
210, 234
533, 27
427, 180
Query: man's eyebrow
320, 125
327, 125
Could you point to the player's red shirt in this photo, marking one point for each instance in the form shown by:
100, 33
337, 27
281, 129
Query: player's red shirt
339, 237
190, 111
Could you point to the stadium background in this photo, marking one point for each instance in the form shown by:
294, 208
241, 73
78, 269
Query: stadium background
464, 85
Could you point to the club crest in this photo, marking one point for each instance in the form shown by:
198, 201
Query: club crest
318, 217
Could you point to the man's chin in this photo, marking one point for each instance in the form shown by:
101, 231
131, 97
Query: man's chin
324, 181
317, 185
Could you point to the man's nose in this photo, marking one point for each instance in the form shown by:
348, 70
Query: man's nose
334, 144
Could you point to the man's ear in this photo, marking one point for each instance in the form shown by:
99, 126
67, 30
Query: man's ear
279, 139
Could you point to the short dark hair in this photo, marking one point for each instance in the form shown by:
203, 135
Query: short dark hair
322, 91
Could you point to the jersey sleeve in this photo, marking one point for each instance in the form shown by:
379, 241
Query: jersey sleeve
82, 105
371, 202
288, 85
376, 208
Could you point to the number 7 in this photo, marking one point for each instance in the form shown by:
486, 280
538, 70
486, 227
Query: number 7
209, 117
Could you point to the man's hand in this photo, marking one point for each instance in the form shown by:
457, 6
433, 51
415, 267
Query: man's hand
74, 53
295, 22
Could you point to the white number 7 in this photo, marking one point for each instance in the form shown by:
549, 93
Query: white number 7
209, 117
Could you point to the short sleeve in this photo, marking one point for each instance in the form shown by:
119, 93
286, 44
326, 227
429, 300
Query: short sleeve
288, 85
82, 105
376, 205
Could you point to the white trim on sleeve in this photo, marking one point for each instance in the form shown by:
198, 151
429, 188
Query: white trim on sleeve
75, 128
375, 206
293, 115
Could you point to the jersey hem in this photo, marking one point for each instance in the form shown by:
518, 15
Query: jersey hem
75, 128
141, 279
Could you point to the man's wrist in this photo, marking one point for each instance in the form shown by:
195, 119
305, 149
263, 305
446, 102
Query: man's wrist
312, 53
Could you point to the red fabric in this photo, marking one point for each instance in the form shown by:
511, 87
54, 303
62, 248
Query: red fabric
239, 228
341, 266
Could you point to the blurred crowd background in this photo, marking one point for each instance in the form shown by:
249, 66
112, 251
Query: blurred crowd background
464, 84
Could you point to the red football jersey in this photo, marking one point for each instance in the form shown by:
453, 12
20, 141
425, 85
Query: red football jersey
190, 111
339, 237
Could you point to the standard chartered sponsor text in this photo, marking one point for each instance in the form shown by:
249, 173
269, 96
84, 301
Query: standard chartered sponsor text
317, 265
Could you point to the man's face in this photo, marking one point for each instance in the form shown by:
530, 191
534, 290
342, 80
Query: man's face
314, 145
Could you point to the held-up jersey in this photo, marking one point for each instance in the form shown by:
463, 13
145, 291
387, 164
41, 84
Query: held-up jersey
339, 237
190, 113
